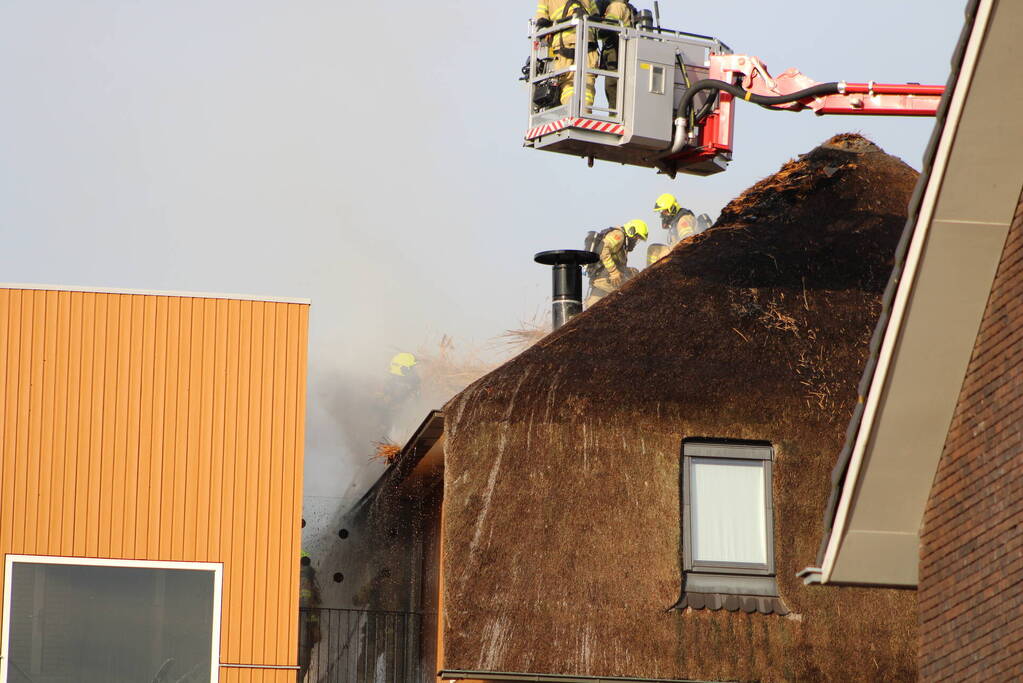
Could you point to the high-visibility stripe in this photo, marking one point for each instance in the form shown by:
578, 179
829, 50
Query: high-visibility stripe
586, 124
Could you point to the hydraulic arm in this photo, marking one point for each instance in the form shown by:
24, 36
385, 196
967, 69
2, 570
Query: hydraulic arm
708, 129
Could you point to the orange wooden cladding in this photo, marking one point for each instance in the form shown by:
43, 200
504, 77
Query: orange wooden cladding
155, 427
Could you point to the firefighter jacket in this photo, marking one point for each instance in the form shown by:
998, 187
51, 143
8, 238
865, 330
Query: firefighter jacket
621, 12
308, 591
401, 387
679, 225
560, 10
614, 252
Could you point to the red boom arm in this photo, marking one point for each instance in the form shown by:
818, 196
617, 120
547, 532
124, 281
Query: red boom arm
877, 99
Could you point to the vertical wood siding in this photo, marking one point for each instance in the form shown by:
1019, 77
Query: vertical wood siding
166, 428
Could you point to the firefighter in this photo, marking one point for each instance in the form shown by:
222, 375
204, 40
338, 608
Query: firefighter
549, 12
613, 245
309, 619
677, 220
403, 380
623, 14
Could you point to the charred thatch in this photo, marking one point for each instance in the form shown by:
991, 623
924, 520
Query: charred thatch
445, 370
387, 451
525, 335
562, 480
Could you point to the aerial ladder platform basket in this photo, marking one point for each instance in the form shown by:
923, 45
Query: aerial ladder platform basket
675, 97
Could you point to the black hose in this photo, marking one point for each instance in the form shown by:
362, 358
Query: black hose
690, 122
709, 106
764, 100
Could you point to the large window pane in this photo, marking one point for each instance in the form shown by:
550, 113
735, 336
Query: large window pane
101, 624
727, 508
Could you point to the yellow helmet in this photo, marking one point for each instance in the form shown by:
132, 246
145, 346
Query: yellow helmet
401, 363
666, 202
636, 228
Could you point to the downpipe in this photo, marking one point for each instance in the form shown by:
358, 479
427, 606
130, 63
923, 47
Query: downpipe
679, 139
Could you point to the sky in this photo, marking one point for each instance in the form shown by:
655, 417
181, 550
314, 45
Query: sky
367, 156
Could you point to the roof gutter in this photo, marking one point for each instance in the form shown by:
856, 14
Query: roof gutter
423, 439
861, 431
457, 674
811, 576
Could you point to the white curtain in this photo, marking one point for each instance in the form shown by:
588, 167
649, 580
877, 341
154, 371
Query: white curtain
727, 508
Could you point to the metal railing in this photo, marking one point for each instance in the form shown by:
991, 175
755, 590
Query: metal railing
541, 70
589, 33
358, 646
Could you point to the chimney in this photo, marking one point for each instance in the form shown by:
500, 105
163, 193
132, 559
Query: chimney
567, 295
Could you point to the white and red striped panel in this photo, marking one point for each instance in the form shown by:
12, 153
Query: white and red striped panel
586, 124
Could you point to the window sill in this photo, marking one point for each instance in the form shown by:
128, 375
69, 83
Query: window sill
731, 592
732, 603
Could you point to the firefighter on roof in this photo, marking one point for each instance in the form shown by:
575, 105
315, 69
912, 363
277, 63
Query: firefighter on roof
402, 365
613, 246
403, 372
402, 380
550, 12
677, 220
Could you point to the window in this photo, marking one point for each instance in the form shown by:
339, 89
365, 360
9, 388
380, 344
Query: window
728, 529
657, 79
76, 620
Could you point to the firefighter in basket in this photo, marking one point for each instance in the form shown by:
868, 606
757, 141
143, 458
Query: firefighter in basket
623, 14
563, 43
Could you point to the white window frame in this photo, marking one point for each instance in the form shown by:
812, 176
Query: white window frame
218, 582
744, 575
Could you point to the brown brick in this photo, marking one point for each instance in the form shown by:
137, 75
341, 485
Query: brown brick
971, 565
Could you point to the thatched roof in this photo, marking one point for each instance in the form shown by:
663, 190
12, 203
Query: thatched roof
562, 466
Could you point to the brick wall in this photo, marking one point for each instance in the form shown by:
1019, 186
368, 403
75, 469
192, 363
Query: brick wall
971, 570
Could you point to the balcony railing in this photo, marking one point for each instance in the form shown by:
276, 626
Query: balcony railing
357, 646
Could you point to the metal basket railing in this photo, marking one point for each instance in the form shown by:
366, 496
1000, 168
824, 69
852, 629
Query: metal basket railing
541, 71
359, 646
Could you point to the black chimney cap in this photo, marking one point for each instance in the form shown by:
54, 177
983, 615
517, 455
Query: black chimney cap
566, 257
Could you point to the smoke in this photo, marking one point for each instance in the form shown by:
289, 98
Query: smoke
353, 408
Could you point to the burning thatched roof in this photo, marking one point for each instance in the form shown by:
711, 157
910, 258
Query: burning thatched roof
562, 466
